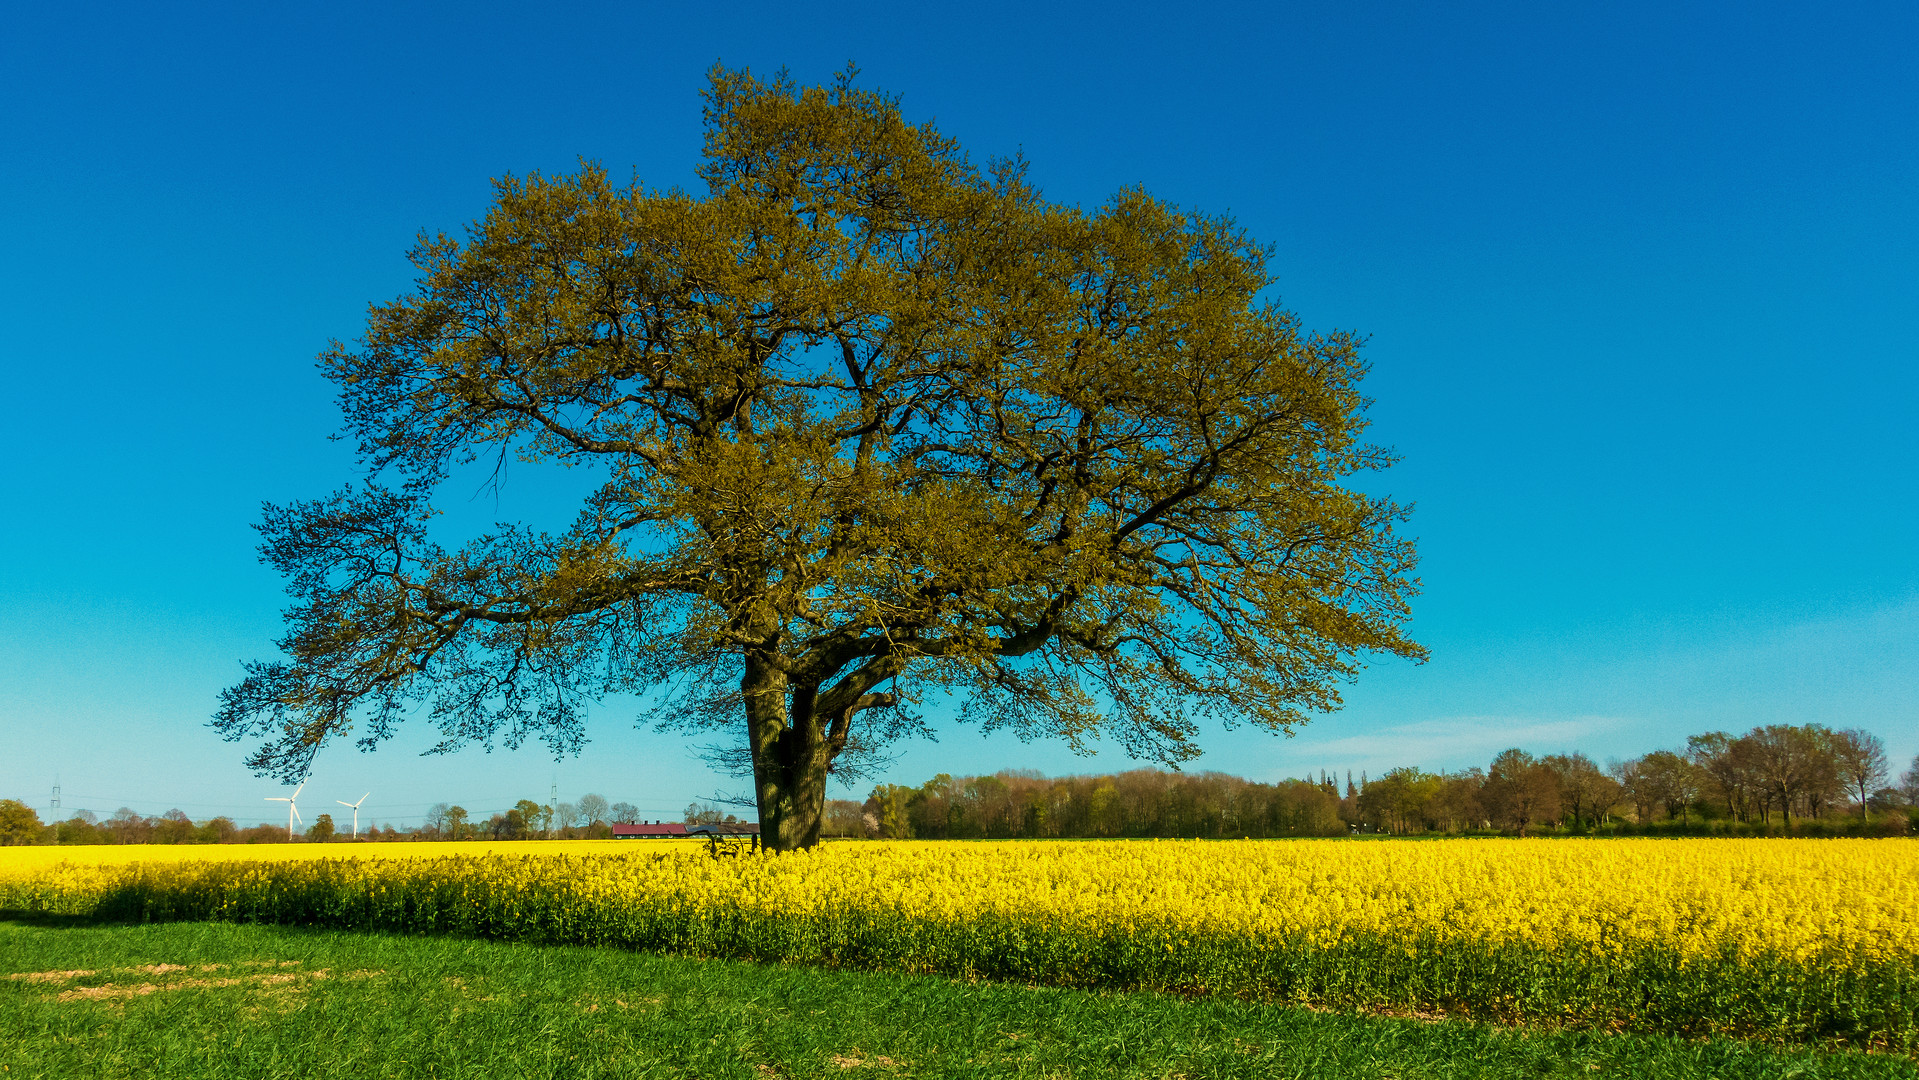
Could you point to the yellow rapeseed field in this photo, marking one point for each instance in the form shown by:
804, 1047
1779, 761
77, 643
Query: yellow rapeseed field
1788, 898
1797, 899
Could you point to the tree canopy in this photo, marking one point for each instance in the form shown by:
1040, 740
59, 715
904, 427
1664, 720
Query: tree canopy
868, 422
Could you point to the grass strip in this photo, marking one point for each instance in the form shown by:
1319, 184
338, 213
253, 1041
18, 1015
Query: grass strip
221, 1000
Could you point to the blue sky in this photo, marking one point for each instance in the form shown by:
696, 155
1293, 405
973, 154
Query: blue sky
1641, 285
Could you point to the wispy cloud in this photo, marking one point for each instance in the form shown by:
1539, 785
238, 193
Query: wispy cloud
1626, 695
1453, 742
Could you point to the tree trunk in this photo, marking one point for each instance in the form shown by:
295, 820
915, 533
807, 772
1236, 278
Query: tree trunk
790, 757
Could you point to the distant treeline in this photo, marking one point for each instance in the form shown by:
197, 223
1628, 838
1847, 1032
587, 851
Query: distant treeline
591, 818
1778, 779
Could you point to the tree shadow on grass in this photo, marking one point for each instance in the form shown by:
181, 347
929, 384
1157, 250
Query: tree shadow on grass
48, 921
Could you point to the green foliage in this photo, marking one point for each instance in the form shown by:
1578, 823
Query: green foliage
322, 829
894, 803
1852, 1000
409, 1006
19, 824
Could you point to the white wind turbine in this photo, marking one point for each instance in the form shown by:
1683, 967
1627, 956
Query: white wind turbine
356, 813
292, 813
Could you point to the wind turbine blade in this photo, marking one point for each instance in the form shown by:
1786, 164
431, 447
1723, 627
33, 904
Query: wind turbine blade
343, 802
296, 791
296, 813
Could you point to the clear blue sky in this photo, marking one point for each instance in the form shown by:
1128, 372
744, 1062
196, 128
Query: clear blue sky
1642, 285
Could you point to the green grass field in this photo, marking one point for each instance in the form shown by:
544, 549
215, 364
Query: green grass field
218, 1000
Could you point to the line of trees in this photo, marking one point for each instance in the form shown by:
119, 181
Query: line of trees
1776, 778
592, 817
20, 824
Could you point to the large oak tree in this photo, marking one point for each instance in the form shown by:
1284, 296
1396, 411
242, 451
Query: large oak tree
867, 422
